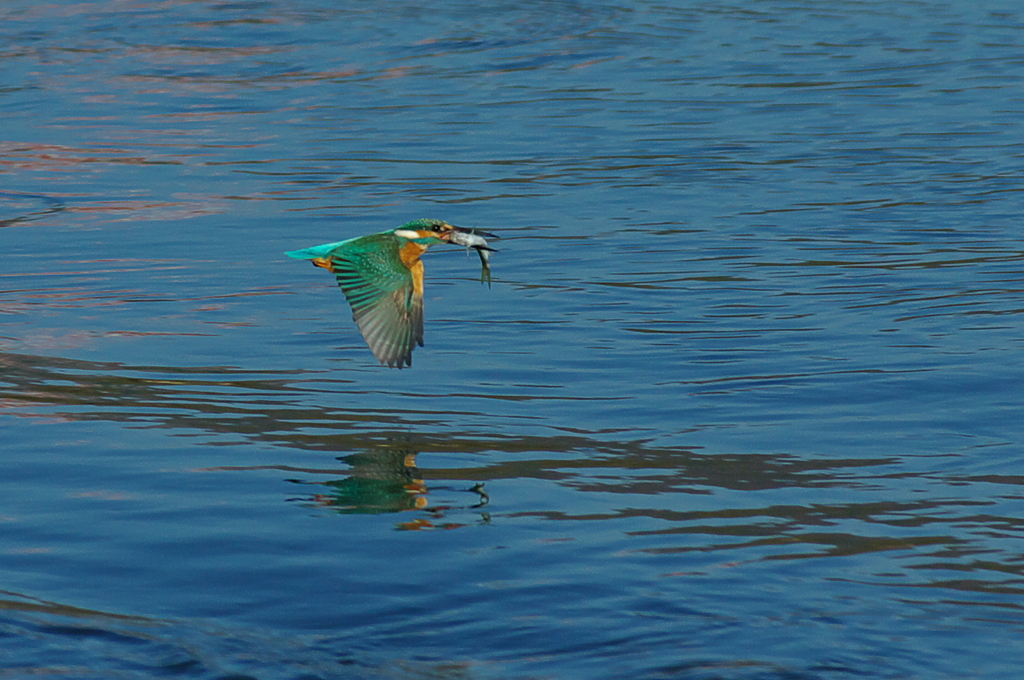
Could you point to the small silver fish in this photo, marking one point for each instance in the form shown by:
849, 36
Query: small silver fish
474, 238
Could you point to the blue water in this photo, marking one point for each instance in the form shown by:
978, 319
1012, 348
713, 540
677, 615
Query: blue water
742, 403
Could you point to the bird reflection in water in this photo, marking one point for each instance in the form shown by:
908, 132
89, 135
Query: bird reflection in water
380, 481
388, 481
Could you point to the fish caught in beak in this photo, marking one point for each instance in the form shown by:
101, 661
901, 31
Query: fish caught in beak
474, 238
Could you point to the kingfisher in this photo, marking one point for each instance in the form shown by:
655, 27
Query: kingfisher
382, 278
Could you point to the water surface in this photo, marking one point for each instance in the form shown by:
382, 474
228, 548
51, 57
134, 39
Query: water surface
742, 401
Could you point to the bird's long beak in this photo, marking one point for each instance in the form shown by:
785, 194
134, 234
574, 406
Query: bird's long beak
478, 232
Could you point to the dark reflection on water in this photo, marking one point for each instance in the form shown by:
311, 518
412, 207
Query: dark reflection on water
846, 507
16, 208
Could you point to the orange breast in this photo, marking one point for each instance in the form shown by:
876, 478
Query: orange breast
410, 254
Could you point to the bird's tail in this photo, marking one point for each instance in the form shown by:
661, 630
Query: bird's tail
313, 252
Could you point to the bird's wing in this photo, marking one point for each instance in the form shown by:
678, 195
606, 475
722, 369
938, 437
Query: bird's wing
381, 292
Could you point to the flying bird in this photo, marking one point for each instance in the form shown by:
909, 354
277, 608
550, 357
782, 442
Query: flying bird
382, 278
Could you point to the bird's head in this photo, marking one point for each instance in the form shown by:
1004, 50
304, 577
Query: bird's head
428, 232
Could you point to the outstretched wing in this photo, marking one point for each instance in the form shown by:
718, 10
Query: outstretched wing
386, 305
